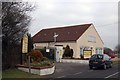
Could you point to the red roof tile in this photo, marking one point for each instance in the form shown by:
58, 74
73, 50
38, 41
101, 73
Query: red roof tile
69, 33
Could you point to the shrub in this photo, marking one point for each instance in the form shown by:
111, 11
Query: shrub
36, 56
45, 59
71, 53
68, 52
45, 62
49, 55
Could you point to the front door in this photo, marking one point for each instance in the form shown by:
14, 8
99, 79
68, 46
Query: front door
59, 53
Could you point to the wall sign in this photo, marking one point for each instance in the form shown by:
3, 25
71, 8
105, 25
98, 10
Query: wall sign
87, 53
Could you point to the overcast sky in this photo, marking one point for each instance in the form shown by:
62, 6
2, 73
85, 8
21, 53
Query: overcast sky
58, 13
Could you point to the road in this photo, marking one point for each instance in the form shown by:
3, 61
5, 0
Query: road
75, 70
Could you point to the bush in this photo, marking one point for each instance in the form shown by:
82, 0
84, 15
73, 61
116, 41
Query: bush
49, 55
45, 62
36, 56
45, 59
68, 52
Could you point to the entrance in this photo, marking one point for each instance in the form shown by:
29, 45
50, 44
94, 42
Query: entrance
59, 53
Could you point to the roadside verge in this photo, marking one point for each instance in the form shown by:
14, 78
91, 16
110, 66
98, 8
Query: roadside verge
38, 70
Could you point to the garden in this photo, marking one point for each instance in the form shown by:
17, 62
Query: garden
37, 59
37, 62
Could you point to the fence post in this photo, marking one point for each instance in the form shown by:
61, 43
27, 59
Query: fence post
29, 64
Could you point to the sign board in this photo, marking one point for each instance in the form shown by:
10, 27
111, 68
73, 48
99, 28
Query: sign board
87, 53
25, 44
47, 50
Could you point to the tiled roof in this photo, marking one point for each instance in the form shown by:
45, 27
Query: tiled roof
69, 33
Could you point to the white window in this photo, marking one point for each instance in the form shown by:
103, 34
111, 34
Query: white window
91, 38
81, 51
98, 50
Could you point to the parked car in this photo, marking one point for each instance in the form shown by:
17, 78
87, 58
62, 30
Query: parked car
112, 55
100, 60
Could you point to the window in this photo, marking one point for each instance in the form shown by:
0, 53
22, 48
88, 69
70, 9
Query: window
81, 51
98, 50
106, 57
91, 39
97, 56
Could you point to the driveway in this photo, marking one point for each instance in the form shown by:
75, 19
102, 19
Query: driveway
75, 70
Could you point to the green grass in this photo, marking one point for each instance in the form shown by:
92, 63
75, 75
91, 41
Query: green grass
15, 73
0, 74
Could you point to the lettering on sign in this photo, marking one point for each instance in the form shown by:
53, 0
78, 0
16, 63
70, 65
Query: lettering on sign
25, 44
87, 53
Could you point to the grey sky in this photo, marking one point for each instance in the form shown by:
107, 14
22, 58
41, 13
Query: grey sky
58, 13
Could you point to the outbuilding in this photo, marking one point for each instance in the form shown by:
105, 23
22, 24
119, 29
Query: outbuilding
83, 39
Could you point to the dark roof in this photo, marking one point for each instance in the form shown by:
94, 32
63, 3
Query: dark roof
69, 33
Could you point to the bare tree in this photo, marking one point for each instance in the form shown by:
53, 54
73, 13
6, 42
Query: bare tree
117, 49
15, 23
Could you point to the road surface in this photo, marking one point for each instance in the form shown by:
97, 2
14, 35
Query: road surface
75, 70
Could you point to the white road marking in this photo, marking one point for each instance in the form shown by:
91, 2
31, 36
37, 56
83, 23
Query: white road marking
69, 74
61, 77
90, 70
112, 75
77, 73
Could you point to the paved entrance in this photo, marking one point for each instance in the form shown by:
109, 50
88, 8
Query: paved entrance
63, 69
76, 70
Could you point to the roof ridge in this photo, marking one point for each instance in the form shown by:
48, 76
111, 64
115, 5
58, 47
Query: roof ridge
77, 25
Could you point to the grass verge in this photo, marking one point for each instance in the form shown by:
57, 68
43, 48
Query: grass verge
116, 60
15, 73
